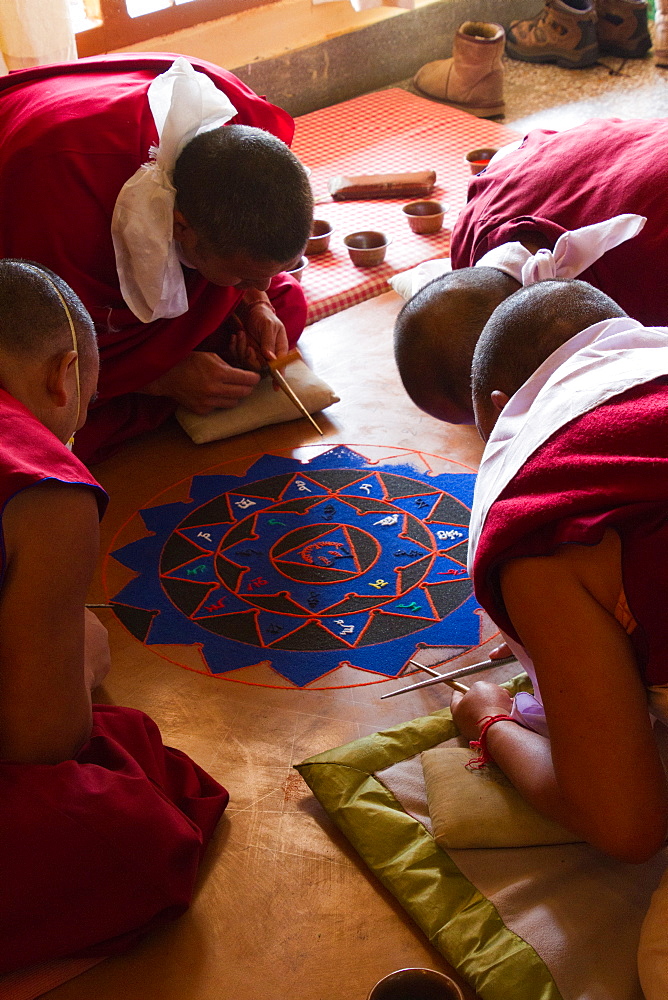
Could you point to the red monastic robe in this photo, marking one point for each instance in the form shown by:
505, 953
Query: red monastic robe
561, 181
605, 469
71, 135
97, 850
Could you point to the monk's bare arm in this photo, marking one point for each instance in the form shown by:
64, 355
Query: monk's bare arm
600, 773
51, 538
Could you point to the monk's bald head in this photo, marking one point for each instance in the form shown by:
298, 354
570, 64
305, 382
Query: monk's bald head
33, 319
524, 331
244, 191
435, 336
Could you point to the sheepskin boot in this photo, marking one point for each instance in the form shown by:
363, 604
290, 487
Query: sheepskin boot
622, 29
661, 32
562, 33
472, 80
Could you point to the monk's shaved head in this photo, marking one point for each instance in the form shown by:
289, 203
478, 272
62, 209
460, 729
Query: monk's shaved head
436, 334
525, 330
33, 320
244, 191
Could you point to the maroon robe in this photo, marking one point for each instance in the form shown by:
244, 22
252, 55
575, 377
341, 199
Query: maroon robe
605, 469
564, 180
97, 850
71, 135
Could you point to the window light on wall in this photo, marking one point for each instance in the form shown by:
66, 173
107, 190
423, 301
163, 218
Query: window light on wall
105, 25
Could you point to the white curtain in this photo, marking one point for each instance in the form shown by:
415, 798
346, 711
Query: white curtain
34, 32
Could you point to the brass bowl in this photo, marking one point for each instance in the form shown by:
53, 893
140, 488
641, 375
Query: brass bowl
367, 248
318, 241
418, 984
424, 216
478, 159
298, 271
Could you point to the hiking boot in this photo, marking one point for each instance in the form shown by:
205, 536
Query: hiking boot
661, 32
563, 33
472, 80
622, 28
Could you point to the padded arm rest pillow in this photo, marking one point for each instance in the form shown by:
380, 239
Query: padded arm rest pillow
264, 406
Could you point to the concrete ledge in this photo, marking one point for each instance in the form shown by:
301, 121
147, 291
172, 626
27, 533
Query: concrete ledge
374, 56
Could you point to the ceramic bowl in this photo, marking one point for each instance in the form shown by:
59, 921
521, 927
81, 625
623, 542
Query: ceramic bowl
318, 242
298, 271
478, 159
424, 216
367, 248
416, 984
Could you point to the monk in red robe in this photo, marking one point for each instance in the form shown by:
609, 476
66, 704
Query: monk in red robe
103, 828
552, 184
568, 554
71, 138
556, 182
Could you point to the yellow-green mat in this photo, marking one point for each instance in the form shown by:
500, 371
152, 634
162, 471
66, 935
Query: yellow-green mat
458, 920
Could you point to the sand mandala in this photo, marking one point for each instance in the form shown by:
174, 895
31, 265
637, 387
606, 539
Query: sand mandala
307, 568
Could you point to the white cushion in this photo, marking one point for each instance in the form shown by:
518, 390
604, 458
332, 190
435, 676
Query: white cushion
408, 283
264, 406
481, 808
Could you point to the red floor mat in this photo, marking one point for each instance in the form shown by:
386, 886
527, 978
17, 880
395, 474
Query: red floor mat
385, 132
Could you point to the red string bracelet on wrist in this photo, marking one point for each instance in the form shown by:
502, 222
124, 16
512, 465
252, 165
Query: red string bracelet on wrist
485, 758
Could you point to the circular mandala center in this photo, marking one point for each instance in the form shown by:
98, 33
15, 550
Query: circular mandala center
325, 553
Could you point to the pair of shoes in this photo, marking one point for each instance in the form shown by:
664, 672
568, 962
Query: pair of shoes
661, 32
573, 33
472, 79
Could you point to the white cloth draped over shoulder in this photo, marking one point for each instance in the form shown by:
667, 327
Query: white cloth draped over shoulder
591, 368
183, 103
573, 252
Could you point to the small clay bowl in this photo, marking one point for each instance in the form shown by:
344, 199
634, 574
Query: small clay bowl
298, 271
424, 216
416, 984
478, 159
367, 248
318, 241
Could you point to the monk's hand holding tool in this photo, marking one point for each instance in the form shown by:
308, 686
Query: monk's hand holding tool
263, 327
270, 364
203, 382
482, 700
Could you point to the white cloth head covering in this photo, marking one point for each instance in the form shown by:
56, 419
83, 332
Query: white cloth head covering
573, 252
183, 103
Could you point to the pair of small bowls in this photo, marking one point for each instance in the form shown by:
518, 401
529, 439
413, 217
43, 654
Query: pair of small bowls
366, 249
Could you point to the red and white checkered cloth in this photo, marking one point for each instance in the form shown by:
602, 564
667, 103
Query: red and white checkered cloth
391, 131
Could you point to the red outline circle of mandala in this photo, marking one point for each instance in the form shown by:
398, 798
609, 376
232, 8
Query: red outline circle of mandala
395, 452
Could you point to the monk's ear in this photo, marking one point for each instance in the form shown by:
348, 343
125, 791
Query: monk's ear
182, 227
499, 399
61, 381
